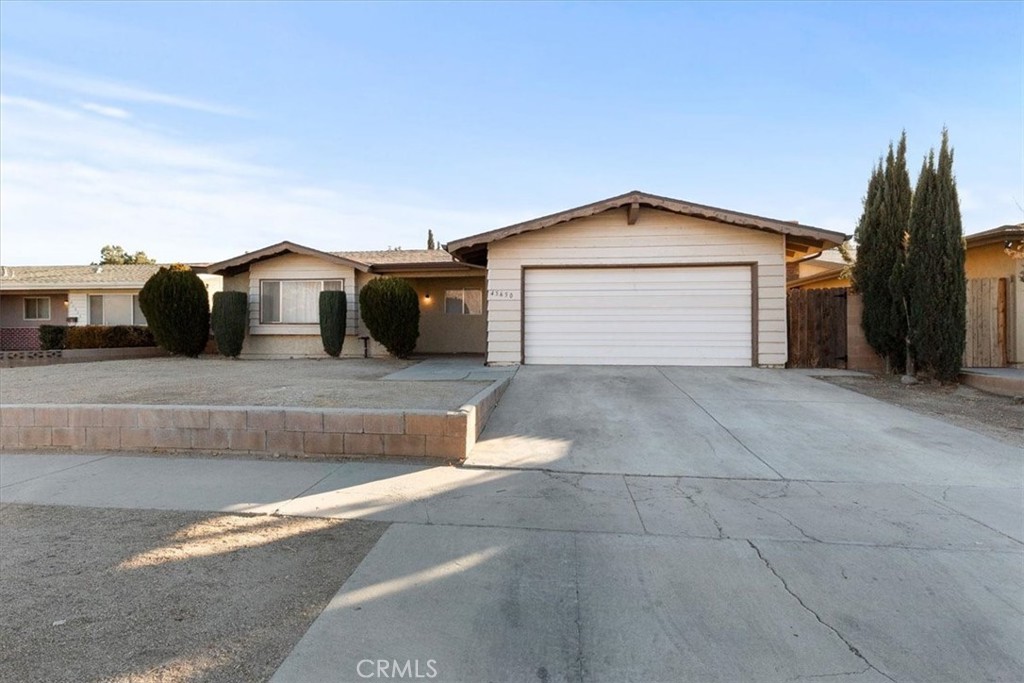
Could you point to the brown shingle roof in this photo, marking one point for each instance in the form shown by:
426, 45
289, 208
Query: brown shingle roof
74, 277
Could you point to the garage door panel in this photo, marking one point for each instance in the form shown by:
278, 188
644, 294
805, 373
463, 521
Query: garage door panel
632, 316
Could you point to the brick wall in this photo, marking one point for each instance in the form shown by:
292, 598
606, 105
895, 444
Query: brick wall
19, 339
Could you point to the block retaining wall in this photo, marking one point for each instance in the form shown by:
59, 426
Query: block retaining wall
11, 359
250, 429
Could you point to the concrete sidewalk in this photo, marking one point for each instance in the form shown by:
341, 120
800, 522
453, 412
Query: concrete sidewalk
509, 575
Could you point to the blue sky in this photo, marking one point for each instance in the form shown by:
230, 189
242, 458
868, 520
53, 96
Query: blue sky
199, 131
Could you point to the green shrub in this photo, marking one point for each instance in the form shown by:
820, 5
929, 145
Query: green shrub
86, 337
391, 310
52, 337
230, 319
177, 309
333, 311
100, 337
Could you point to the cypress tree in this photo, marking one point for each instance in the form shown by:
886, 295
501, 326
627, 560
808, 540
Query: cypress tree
865, 279
937, 285
897, 198
923, 271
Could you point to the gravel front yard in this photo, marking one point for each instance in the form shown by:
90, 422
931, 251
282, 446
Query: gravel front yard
348, 383
152, 596
996, 416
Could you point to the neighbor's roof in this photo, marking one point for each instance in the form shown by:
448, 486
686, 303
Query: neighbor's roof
75, 277
366, 261
240, 264
1001, 234
393, 260
816, 238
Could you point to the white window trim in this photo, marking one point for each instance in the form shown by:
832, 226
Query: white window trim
339, 280
24, 304
88, 306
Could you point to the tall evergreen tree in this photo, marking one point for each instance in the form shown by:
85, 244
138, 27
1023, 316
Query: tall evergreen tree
878, 272
921, 273
430, 240
894, 217
937, 286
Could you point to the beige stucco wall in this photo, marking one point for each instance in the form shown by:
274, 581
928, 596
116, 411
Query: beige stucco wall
440, 333
990, 260
291, 340
658, 237
12, 309
831, 283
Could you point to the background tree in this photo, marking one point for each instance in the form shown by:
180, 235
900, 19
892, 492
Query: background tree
116, 255
935, 280
390, 308
177, 310
430, 240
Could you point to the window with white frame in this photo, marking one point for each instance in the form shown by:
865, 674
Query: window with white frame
115, 309
37, 308
294, 301
464, 301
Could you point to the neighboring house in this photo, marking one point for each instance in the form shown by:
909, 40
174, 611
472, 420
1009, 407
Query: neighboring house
995, 297
825, 270
31, 296
640, 279
994, 265
284, 282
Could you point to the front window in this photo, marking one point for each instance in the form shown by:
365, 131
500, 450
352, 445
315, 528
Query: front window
464, 301
293, 301
37, 308
115, 309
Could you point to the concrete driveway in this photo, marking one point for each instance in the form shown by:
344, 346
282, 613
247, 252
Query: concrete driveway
637, 524
726, 422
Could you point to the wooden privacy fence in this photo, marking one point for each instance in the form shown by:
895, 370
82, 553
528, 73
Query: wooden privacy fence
817, 328
988, 301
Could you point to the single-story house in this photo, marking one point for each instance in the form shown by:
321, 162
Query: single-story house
284, 281
640, 279
31, 296
633, 279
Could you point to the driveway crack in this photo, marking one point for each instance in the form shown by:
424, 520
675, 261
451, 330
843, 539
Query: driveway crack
579, 614
853, 649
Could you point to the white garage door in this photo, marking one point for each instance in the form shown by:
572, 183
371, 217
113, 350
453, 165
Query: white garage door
638, 316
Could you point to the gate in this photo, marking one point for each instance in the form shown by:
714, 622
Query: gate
817, 328
987, 320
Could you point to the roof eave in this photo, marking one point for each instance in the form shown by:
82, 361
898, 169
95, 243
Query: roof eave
240, 264
458, 247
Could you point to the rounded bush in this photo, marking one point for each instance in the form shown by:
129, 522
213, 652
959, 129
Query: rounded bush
390, 308
230, 319
177, 310
333, 310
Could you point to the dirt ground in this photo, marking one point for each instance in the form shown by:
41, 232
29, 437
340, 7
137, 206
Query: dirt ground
151, 596
996, 416
327, 383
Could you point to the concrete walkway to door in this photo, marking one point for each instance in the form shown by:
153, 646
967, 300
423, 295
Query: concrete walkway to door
726, 422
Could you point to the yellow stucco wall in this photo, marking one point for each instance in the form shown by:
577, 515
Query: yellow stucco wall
990, 260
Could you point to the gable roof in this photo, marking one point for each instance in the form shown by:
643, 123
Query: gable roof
471, 247
240, 264
76, 277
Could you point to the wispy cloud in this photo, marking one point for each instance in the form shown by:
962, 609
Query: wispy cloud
81, 181
106, 89
104, 110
